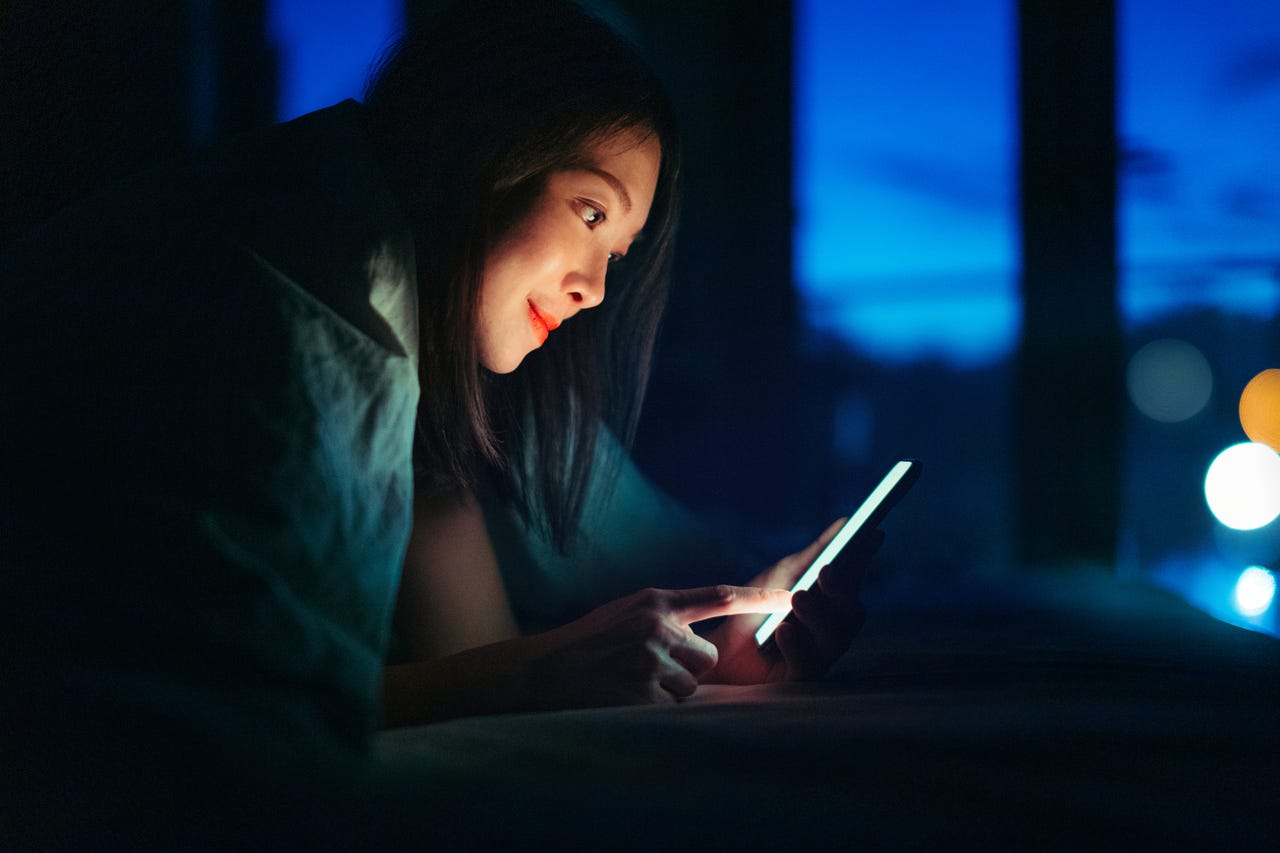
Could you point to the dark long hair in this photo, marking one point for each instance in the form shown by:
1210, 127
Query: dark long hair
469, 115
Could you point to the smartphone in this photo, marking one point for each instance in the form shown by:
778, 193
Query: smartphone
901, 477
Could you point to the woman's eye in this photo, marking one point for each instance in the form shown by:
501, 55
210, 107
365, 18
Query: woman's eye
616, 257
591, 214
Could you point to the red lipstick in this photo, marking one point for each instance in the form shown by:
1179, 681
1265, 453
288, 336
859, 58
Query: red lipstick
543, 324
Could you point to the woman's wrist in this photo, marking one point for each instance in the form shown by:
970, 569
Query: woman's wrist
492, 679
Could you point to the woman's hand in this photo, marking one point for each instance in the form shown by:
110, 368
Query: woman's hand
638, 649
827, 618
635, 650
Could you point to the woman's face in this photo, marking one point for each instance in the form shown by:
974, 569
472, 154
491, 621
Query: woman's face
551, 263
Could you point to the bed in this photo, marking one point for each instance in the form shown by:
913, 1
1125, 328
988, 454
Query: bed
1058, 711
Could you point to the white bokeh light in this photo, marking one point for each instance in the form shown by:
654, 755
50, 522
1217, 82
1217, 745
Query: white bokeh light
1242, 486
1255, 590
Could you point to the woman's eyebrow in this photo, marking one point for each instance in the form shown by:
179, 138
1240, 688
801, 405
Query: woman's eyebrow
612, 181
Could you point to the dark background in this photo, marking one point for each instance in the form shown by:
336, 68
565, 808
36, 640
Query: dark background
1034, 461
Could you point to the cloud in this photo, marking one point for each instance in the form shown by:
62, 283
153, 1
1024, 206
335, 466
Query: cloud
1249, 72
968, 185
1147, 173
1251, 202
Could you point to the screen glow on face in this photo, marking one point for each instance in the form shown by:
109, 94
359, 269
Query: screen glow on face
852, 526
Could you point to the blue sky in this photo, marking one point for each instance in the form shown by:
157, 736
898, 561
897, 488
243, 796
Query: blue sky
1201, 95
905, 128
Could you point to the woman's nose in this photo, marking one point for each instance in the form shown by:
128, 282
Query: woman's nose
586, 288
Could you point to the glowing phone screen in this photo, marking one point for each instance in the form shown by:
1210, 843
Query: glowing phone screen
836, 545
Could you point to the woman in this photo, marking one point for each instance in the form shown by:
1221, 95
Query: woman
573, 167
242, 382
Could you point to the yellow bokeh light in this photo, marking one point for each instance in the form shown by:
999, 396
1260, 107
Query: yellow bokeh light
1260, 408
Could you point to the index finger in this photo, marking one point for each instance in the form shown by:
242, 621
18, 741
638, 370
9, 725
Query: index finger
708, 602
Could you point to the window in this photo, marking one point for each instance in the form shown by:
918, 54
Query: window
906, 240
1199, 285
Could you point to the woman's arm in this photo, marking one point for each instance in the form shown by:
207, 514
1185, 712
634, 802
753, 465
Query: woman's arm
452, 596
451, 600
485, 680
637, 649
465, 656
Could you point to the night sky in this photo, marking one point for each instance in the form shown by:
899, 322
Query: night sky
907, 159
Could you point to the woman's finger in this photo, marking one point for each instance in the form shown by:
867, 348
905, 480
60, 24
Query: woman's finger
841, 580
695, 654
695, 605
663, 677
803, 559
678, 683
825, 537
830, 627
861, 550
798, 653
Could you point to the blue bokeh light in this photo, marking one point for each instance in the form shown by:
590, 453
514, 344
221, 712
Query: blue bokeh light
1255, 590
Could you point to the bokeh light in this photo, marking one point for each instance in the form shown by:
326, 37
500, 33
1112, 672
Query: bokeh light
1242, 486
1255, 590
1260, 408
1169, 380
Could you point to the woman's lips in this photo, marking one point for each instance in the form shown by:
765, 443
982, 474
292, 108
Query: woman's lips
543, 324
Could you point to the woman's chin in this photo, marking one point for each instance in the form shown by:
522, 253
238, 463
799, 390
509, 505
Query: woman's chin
505, 363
